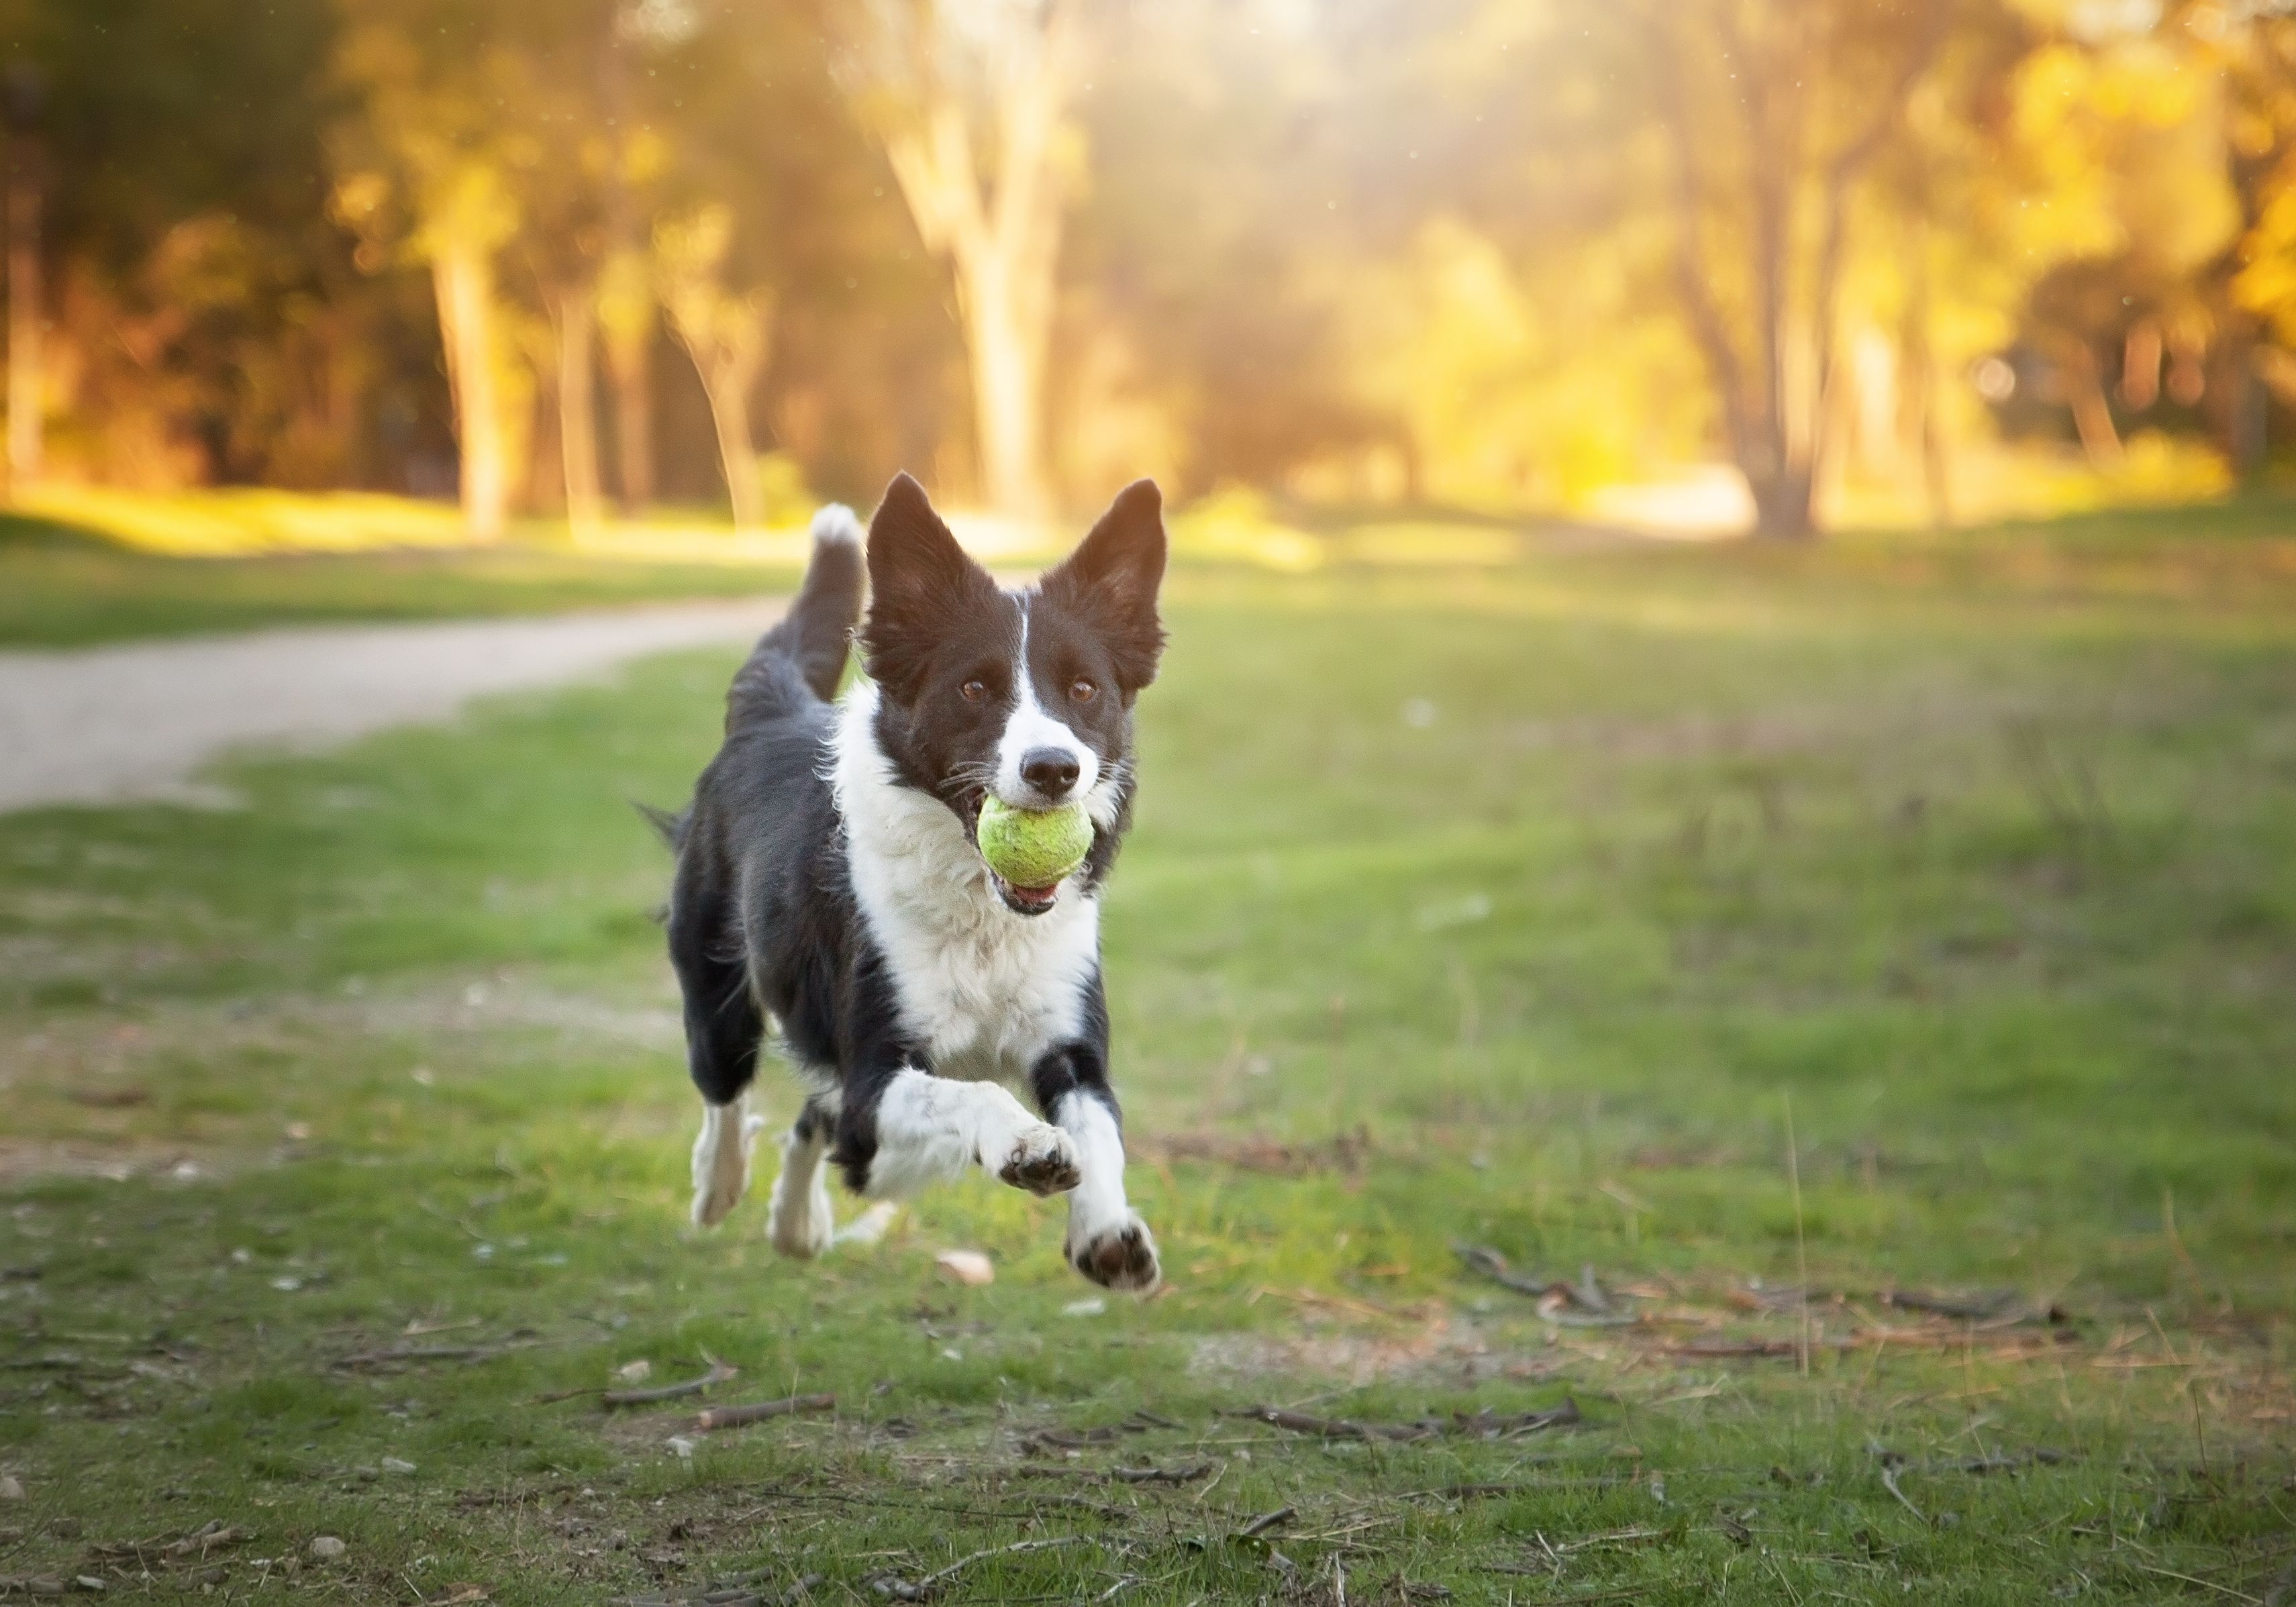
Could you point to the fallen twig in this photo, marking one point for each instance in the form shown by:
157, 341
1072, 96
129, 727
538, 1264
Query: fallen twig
213, 1536
978, 1513
1186, 1473
1488, 1425
742, 1416
739, 1592
1266, 1520
1039, 1441
1555, 1297
1994, 1465
1465, 1492
1339, 1428
898, 1589
719, 1373
391, 1354
2001, 1307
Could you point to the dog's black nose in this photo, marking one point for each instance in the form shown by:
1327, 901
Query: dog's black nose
1052, 771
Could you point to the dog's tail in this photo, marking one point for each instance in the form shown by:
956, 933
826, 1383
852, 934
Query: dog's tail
803, 658
669, 824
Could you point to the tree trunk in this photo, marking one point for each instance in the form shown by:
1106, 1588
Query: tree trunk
463, 279
24, 315
1003, 238
2100, 438
1785, 501
578, 408
1917, 361
726, 378
629, 362
1005, 342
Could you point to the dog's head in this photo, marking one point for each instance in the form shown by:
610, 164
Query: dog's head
1025, 695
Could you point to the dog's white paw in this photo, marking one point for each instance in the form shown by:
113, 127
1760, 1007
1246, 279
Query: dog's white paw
1123, 1256
800, 1222
1042, 1159
721, 1162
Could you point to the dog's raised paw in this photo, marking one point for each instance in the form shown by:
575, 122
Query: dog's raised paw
1042, 1160
1120, 1258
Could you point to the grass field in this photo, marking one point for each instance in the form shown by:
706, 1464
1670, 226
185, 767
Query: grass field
1791, 943
61, 589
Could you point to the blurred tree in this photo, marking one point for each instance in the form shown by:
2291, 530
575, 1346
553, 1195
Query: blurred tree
925, 75
1772, 110
426, 170
25, 92
726, 331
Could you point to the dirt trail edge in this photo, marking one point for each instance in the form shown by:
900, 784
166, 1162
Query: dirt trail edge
137, 722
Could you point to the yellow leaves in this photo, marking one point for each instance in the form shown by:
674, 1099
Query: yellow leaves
2267, 283
1514, 388
465, 205
2129, 141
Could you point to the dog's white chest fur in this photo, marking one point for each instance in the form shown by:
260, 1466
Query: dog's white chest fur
986, 990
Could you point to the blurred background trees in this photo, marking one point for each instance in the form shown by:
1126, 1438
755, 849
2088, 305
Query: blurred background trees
1509, 256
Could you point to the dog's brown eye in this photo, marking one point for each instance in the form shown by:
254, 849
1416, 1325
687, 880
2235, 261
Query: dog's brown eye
974, 691
1082, 690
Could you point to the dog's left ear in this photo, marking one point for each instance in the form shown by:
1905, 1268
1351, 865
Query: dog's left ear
1112, 580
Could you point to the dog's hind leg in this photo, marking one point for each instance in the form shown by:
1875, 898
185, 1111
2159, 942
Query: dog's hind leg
800, 1223
721, 1159
723, 1030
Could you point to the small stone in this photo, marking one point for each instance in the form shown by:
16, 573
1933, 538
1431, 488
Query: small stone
393, 1464
326, 1548
89, 1581
1091, 1307
635, 1373
10, 1489
965, 1266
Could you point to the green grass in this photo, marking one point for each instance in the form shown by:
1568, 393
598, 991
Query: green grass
1530, 908
60, 587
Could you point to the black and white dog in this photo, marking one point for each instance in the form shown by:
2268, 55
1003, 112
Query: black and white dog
829, 888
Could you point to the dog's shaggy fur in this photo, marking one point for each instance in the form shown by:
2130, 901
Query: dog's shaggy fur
829, 888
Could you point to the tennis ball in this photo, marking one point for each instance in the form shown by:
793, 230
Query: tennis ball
1033, 848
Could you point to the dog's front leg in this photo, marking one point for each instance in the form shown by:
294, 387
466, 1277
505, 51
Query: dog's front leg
919, 1129
1107, 1241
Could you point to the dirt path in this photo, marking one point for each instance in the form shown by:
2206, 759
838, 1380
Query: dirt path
140, 721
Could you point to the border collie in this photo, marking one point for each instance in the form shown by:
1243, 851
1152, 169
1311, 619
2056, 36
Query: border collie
829, 891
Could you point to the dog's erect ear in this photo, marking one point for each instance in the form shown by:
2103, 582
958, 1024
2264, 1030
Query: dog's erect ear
921, 583
1111, 580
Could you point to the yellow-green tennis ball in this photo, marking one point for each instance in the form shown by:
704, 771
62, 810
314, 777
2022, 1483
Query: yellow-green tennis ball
1033, 848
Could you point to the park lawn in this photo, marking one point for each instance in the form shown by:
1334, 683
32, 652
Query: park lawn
62, 586
1766, 932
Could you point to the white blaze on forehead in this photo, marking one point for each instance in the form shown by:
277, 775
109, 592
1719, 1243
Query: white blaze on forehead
1030, 727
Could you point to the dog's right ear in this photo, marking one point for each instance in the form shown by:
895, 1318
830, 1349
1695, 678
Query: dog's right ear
921, 583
